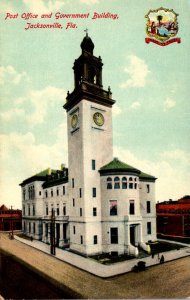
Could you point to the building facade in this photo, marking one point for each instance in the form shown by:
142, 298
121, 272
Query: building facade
173, 218
10, 219
103, 205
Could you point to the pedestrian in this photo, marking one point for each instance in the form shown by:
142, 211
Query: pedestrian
31, 239
162, 259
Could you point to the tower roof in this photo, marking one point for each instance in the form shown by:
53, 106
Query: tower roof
87, 44
118, 167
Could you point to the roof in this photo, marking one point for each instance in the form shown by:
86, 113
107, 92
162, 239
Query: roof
41, 176
3, 208
49, 176
146, 176
117, 166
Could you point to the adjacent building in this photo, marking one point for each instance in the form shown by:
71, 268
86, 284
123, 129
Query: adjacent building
10, 219
99, 204
173, 218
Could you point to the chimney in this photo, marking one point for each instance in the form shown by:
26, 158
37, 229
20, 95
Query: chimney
62, 167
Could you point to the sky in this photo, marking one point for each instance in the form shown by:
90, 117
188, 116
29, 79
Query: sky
150, 83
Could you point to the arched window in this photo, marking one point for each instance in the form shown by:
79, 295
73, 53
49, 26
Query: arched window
130, 183
109, 183
116, 183
124, 183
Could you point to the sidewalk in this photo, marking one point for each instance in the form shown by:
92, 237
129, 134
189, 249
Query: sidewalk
98, 269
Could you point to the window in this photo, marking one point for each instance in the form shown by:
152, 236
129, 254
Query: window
46, 210
23, 210
94, 192
124, 183
113, 207
148, 227
130, 183
116, 183
131, 207
46, 230
24, 226
57, 192
46, 192
81, 239
34, 227
29, 227
94, 211
80, 193
114, 235
93, 164
51, 193
40, 193
95, 239
33, 210
73, 202
57, 209
80, 212
74, 230
73, 183
148, 210
109, 183
64, 210
135, 186
29, 210
63, 190
148, 188
24, 194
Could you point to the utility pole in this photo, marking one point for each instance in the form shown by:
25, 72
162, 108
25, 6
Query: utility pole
12, 222
52, 233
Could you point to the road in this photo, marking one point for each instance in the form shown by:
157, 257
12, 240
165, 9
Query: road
170, 280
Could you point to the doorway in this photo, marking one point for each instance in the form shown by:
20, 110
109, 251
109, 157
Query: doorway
132, 235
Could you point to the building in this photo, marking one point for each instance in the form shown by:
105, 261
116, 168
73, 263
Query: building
173, 217
103, 205
10, 219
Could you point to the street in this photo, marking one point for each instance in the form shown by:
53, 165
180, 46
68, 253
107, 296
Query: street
169, 280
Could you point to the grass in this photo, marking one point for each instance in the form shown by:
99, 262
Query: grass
156, 247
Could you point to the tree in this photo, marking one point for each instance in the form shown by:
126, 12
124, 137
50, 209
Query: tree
159, 18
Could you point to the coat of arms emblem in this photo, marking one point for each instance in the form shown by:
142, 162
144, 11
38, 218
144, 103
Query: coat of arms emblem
162, 26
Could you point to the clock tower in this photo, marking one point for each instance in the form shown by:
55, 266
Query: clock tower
89, 122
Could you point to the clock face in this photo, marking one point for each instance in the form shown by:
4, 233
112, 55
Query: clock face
98, 119
74, 121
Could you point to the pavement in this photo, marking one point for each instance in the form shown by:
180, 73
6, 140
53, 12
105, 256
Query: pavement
105, 271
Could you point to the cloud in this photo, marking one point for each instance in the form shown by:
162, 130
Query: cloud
13, 113
169, 103
43, 6
36, 105
28, 158
172, 181
137, 71
116, 110
89, 2
135, 105
10, 75
177, 155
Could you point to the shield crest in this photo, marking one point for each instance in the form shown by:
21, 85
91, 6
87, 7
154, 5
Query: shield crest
161, 24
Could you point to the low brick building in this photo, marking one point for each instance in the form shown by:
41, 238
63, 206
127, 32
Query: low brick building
10, 219
173, 217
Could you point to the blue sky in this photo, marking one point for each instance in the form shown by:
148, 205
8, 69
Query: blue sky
150, 84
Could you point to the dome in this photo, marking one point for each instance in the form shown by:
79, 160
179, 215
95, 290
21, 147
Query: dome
87, 44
